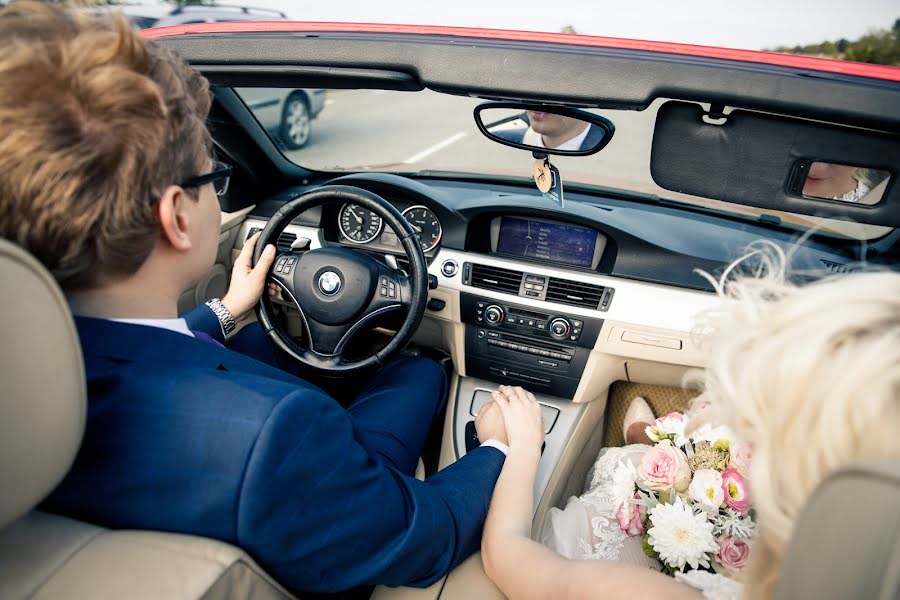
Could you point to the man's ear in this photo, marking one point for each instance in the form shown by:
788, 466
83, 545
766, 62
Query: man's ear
174, 218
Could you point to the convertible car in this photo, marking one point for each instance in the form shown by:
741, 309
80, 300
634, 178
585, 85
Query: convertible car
570, 269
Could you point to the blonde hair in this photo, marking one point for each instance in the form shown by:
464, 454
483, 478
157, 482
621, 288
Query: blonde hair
811, 377
96, 123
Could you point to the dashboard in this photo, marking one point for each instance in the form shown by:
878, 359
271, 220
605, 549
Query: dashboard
528, 290
593, 234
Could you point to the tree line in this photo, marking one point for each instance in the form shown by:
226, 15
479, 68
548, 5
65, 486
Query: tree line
880, 47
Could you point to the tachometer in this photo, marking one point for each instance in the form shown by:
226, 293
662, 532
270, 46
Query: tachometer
428, 228
359, 225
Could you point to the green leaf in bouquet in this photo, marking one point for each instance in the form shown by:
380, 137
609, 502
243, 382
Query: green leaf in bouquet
648, 548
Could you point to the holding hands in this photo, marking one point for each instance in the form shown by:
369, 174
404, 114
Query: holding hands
522, 417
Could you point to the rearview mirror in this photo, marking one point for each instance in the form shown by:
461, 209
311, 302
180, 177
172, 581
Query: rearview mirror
544, 129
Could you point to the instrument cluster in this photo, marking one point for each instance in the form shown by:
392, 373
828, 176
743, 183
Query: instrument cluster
358, 225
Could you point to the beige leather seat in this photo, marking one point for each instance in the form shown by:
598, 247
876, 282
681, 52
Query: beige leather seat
847, 541
42, 416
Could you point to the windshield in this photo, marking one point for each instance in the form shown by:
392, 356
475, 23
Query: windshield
427, 132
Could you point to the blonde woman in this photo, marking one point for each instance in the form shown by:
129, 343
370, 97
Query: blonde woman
785, 366
840, 182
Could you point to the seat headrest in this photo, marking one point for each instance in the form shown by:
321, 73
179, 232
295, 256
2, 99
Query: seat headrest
847, 541
43, 396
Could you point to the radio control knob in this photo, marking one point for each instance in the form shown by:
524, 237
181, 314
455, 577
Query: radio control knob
560, 327
493, 314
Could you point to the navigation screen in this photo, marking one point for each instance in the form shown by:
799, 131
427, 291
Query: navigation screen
556, 242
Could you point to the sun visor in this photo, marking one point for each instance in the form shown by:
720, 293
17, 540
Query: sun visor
777, 163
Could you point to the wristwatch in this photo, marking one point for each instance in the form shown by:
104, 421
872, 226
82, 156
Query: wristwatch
226, 321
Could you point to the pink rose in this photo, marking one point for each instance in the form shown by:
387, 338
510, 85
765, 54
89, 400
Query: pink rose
631, 519
741, 457
665, 467
737, 494
734, 554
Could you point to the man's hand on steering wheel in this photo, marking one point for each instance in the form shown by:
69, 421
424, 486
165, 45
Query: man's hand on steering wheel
247, 281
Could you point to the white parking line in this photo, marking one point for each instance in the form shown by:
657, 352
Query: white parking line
436, 147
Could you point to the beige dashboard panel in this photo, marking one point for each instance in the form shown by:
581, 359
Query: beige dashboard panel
657, 373
650, 343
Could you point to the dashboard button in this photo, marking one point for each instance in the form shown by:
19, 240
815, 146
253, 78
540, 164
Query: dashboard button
493, 314
449, 268
560, 328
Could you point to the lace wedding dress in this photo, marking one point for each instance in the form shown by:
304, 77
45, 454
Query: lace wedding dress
587, 528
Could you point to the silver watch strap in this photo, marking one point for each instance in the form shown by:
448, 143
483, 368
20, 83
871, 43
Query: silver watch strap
226, 320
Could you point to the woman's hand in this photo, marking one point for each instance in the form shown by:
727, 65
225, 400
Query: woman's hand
247, 282
522, 416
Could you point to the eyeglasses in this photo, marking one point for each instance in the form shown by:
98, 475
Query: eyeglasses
219, 177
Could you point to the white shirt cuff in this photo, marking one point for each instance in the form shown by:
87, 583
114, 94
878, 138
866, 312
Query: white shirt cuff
492, 443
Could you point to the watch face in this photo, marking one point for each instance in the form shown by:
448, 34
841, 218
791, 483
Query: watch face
426, 225
358, 224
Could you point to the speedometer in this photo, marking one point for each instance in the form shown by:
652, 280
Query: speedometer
358, 224
426, 226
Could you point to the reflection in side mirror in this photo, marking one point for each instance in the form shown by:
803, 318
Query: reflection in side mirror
551, 130
846, 183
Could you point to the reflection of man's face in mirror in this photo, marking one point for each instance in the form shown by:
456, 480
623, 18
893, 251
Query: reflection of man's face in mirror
827, 180
555, 129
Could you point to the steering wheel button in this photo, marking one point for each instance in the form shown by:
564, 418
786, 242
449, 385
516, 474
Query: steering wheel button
286, 270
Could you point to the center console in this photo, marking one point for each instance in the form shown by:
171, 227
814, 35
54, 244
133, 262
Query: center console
543, 352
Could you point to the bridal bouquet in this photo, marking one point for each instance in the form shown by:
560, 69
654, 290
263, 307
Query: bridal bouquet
689, 497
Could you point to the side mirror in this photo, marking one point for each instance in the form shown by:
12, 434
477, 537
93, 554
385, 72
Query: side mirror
544, 129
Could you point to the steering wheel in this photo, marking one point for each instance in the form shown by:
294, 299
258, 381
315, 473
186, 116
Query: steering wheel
339, 290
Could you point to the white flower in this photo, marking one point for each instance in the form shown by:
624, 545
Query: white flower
708, 433
732, 523
681, 537
623, 482
673, 425
706, 489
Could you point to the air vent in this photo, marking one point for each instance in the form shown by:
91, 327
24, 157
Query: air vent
838, 267
574, 293
284, 240
495, 278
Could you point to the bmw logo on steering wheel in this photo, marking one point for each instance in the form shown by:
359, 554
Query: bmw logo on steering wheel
329, 283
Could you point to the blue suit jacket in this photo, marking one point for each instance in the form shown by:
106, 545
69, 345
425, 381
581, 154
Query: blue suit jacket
188, 437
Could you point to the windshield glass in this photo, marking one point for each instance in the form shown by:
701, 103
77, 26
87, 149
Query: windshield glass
428, 132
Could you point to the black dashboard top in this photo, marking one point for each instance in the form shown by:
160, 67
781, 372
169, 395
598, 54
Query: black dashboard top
644, 241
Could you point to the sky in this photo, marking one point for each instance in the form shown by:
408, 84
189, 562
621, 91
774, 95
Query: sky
749, 24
